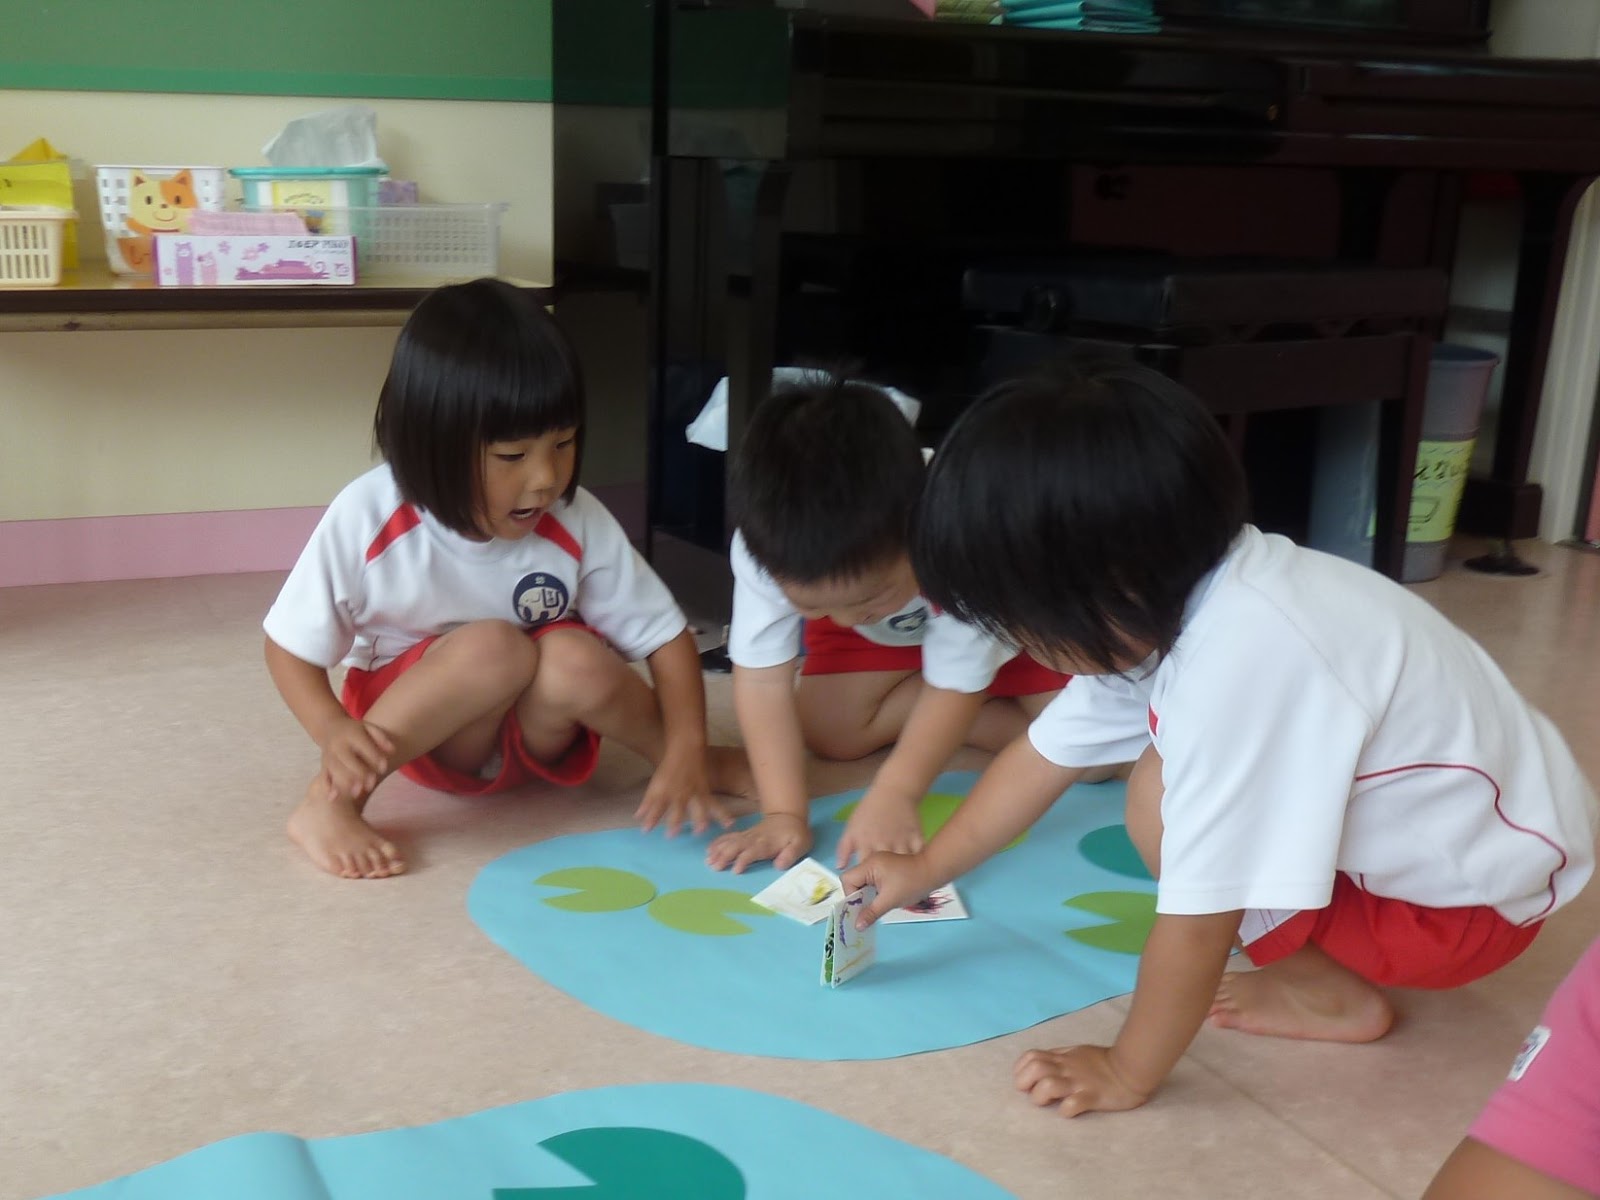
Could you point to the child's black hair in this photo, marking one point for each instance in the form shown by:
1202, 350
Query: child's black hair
825, 480
1074, 511
475, 363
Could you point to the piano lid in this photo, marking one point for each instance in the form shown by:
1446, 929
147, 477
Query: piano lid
830, 86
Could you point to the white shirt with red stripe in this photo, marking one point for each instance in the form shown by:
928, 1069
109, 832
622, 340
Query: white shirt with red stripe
1313, 718
379, 575
766, 631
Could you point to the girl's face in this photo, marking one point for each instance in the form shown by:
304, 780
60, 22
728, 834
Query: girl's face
522, 479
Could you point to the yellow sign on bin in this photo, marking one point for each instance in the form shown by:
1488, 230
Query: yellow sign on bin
1436, 489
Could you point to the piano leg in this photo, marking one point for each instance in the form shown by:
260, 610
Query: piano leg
1505, 505
1399, 431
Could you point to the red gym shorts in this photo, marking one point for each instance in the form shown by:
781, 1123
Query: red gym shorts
517, 765
1395, 943
833, 649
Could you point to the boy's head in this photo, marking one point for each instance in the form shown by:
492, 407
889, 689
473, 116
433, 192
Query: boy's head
476, 365
1074, 511
823, 488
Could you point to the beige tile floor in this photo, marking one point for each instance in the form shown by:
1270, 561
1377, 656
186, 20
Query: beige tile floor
171, 972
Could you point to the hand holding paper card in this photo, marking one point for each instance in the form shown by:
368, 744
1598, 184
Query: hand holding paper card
849, 951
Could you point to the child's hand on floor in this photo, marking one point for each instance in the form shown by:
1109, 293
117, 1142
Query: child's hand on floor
679, 792
355, 756
883, 820
1079, 1079
782, 837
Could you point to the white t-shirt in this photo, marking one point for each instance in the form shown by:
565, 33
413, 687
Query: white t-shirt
380, 575
766, 631
1314, 717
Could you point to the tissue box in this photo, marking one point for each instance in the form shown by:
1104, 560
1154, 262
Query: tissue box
318, 194
184, 260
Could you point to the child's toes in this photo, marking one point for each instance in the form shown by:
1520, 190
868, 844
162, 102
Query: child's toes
389, 858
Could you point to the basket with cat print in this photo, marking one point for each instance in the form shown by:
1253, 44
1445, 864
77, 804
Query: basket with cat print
139, 202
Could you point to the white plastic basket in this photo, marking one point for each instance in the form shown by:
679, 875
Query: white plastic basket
419, 243
152, 204
427, 242
30, 245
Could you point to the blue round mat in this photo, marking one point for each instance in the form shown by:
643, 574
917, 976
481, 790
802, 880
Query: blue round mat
639, 928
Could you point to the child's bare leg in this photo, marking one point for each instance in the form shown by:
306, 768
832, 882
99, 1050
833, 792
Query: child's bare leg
1303, 995
1142, 810
1001, 721
451, 703
580, 682
849, 715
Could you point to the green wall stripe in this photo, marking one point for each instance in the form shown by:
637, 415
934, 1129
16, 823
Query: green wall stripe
415, 49
263, 83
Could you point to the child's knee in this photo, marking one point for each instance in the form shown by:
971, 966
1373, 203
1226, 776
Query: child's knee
497, 653
834, 725
839, 741
579, 669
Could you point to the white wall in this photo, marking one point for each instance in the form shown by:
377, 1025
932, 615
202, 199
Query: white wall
126, 423
1545, 28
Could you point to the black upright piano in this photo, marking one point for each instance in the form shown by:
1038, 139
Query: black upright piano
821, 184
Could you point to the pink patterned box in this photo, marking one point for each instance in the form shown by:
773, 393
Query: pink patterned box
227, 260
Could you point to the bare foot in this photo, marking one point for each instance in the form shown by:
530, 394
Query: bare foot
329, 828
728, 771
1286, 999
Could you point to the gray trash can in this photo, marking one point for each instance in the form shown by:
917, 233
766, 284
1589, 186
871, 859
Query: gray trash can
1458, 381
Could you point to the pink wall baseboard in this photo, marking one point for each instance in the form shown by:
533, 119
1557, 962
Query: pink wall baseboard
163, 545
157, 546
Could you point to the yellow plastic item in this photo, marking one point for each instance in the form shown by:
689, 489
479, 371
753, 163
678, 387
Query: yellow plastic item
38, 174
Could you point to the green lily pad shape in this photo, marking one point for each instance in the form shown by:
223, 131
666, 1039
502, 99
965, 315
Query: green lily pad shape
597, 889
1111, 848
628, 1162
1131, 916
710, 911
933, 810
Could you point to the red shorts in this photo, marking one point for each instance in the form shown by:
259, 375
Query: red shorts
1395, 943
833, 649
517, 764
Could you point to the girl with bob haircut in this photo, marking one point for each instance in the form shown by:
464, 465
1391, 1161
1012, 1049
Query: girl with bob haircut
1329, 773
484, 606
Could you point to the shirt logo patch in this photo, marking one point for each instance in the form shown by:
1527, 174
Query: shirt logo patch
909, 623
541, 598
1531, 1046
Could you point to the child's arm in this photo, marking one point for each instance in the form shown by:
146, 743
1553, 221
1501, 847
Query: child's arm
355, 755
1180, 968
1013, 793
886, 818
763, 697
679, 789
